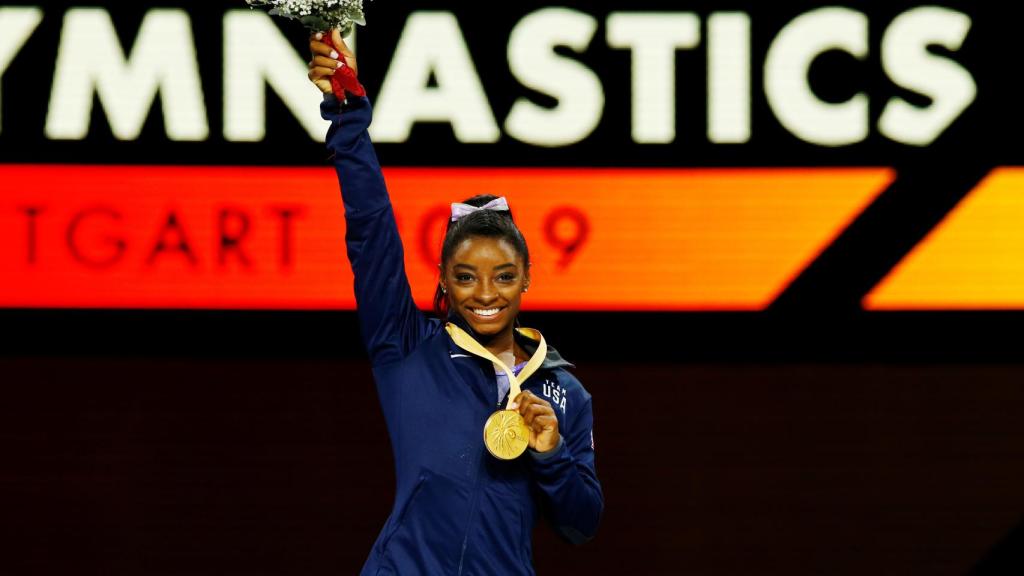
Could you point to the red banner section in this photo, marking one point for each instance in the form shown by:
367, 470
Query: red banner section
973, 260
273, 238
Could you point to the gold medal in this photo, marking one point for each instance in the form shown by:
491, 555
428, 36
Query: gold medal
506, 435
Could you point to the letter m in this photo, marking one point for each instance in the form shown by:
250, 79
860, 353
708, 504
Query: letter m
91, 61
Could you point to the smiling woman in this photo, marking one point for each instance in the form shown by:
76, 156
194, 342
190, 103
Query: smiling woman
489, 429
487, 278
485, 268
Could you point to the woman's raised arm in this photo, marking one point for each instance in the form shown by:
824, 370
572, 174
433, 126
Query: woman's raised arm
391, 324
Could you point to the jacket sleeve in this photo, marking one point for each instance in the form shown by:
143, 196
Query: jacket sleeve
391, 324
566, 477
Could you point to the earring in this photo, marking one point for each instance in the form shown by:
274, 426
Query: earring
444, 290
525, 290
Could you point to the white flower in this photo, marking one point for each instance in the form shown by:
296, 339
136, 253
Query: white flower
319, 15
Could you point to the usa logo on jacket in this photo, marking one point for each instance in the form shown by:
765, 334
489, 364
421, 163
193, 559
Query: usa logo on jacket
555, 393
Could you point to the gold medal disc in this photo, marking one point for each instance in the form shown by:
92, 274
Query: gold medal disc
506, 434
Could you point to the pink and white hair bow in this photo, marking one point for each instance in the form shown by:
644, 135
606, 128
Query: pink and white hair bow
459, 209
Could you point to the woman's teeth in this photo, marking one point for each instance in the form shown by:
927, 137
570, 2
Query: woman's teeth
488, 312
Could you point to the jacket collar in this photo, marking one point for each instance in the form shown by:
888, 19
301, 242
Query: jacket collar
527, 338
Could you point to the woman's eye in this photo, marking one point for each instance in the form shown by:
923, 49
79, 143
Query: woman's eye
507, 277
463, 277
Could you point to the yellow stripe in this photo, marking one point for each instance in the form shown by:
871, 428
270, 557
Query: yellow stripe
467, 343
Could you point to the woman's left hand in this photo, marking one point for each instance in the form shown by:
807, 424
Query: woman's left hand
540, 418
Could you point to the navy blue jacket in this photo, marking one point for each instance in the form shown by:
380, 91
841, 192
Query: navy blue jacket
457, 510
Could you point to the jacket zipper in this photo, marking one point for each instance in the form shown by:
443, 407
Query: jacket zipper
476, 498
472, 514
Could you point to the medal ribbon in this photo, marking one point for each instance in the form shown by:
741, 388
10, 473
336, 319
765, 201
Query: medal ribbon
469, 344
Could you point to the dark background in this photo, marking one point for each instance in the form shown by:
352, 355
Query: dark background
812, 438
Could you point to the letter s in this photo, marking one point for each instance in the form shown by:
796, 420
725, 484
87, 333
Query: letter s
906, 60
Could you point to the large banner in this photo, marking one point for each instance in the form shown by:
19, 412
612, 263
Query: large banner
683, 156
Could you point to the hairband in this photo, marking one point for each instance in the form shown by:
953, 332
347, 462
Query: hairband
459, 209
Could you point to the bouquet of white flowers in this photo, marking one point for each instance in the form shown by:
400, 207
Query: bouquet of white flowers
318, 15
323, 16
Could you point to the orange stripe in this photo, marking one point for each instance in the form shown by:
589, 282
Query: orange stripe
973, 260
601, 239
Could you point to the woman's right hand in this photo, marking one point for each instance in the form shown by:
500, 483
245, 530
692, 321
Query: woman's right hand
327, 60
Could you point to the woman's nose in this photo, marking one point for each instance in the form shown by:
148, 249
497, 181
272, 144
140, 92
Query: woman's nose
486, 292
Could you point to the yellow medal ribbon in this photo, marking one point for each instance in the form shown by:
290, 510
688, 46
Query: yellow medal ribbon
506, 434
